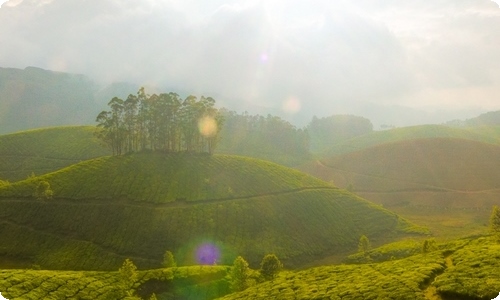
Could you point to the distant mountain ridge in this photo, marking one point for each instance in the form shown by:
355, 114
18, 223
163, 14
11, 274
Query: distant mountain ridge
34, 98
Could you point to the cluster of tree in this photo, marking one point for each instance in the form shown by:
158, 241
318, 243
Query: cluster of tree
263, 137
160, 122
328, 131
241, 275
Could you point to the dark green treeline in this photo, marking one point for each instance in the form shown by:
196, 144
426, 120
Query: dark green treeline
162, 122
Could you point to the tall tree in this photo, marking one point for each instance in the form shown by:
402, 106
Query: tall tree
240, 272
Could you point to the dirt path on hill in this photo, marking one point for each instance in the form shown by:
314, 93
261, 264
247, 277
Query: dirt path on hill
178, 203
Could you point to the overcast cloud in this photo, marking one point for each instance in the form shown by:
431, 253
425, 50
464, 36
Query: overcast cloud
324, 57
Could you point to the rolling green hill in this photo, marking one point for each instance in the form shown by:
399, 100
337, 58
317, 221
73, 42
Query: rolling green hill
448, 184
143, 204
466, 271
486, 134
197, 282
160, 177
46, 150
460, 269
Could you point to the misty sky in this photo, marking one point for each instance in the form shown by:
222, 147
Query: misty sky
297, 57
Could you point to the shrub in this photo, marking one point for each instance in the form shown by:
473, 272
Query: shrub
239, 274
168, 260
429, 245
364, 244
43, 191
270, 266
128, 273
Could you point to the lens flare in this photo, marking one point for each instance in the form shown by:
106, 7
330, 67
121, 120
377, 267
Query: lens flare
207, 126
207, 254
291, 105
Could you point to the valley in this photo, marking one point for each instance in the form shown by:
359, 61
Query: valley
103, 209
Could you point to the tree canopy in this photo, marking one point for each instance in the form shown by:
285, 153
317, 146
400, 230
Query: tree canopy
325, 132
162, 122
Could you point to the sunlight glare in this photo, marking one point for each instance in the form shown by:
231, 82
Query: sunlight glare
207, 254
207, 126
291, 105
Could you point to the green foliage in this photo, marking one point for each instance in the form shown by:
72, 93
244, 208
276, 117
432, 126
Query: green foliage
160, 122
374, 138
270, 266
329, 131
364, 244
399, 279
472, 271
240, 273
270, 138
128, 273
495, 221
183, 283
161, 177
100, 234
168, 260
43, 191
429, 245
46, 150
396, 250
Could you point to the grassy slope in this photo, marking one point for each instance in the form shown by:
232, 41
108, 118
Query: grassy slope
447, 184
46, 150
205, 282
486, 134
159, 177
463, 270
125, 206
297, 227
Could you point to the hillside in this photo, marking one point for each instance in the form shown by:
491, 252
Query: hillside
199, 282
466, 269
141, 205
46, 150
440, 176
160, 177
460, 269
486, 134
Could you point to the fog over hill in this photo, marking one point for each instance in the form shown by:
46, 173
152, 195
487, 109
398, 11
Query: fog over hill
394, 63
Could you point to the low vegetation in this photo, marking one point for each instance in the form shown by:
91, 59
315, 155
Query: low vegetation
167, 177
197, 282
447, 184
465, 269
485, 134
46, 150
87, 235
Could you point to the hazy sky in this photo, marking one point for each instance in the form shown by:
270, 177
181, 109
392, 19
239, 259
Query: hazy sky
297, 56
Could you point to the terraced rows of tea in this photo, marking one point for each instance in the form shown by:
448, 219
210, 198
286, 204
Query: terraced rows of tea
46, 150
462, 270
160, 177
483, 134
297, 226
197, 282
